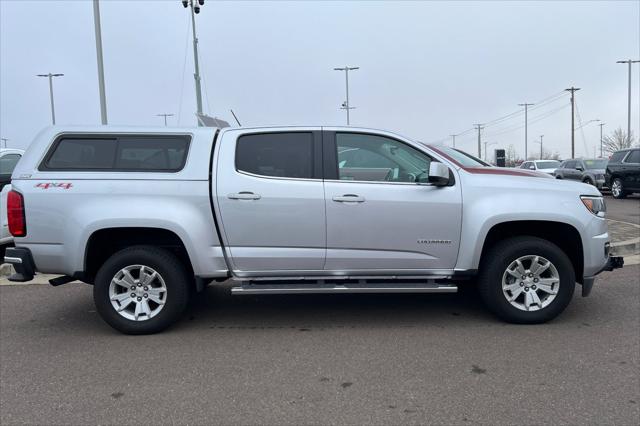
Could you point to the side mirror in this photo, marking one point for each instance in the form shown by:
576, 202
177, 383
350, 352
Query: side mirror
579, 168
532, 167
438, 174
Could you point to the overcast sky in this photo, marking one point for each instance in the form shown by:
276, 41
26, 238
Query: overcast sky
427, 69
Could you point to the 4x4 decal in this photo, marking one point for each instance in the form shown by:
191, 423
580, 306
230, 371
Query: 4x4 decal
47, 185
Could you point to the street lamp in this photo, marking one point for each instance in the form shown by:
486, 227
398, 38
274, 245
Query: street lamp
195, 9
601, 125
628, 61
540, 142
165, 117
50, 77
345, 105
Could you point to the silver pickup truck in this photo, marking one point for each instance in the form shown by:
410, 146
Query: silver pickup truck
150, 216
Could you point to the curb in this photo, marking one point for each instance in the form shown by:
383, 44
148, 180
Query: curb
627, 247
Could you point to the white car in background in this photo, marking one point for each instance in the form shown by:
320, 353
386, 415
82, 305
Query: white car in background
9, 157
543, 166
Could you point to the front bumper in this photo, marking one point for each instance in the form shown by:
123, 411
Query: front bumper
22, 261
614, 262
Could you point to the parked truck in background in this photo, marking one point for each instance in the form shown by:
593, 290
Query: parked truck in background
150, 216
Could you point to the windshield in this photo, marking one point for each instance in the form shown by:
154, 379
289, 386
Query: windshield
548, 164
595, 164
462, 157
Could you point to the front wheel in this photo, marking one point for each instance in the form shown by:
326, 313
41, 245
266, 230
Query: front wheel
141, 290
526, 280
617, 190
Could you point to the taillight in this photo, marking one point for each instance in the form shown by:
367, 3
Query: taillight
15, 214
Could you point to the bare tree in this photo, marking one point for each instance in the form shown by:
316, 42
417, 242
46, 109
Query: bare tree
617, 140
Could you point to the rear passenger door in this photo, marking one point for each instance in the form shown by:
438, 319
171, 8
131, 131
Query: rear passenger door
271, 201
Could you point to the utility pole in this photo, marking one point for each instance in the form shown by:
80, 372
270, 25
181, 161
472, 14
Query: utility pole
165, 117
601, 124
98, 30
195, 9
5, 141
526, 123
541, 136
53, 110
454, 140
573, 133
346, 105
479, 127
628, 61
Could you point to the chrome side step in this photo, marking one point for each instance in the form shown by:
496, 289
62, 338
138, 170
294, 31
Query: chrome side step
248, 288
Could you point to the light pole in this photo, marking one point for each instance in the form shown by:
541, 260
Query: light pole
165, 117
485, 149
601, 125
98, 30
479, 127
628, 61
195, 9
573, 106
526, 122
346, 105
454, 140
540, 142
53, 109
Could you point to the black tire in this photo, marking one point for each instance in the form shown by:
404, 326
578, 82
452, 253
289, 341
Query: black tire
588, 181
167, 265
618, 194
495, 263
558, 177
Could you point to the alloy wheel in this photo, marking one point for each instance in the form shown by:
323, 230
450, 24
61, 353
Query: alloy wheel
530, 283
137, 292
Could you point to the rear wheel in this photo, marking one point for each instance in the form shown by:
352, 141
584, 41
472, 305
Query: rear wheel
617, 190
526, 280
141, 290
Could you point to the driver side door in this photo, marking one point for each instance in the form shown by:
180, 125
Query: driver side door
380, 220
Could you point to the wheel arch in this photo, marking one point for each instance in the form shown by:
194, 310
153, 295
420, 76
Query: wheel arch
104, 242
564, 235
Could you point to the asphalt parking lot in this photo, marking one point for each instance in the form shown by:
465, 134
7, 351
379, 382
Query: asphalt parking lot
331, 359
322, 360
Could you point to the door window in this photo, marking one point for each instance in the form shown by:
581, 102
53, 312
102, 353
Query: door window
373, 158
276, 154
634, 157
570, 165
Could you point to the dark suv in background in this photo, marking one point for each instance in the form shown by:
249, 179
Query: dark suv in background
587, 171
623, 172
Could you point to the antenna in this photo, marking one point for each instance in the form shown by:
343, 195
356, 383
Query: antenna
236, 118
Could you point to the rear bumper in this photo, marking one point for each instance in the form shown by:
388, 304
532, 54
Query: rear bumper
22, 261
614, 262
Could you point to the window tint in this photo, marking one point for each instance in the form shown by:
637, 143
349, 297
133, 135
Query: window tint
618, 156
83, 154
634, 157
144, 154
8, 163
276, 154
364, 157
125, 153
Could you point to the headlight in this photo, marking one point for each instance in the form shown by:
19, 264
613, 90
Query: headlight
595, 205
